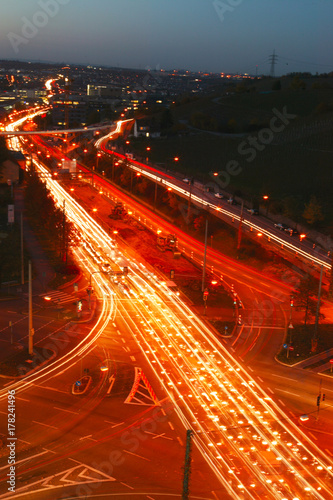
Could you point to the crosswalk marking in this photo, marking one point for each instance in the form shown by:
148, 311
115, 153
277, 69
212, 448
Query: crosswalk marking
58, 296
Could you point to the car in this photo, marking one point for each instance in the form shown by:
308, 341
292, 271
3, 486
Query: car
253, 211
186, 180
232, 201
280, 226
291, 231
218, 195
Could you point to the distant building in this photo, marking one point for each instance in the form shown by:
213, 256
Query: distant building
111, 91
13, 168
146, 128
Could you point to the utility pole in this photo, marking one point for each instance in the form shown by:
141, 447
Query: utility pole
330, 290
31, 329
155, 195
315, 333
319, 398
239, 238
204, 262
66, 100
187, 465
64, 232
22, 252
189, 202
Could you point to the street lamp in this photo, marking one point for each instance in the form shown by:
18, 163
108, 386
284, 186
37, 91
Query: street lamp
98, 157
148, 149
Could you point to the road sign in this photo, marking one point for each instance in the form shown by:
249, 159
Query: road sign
78, 383
290, 325
291, 348
331, 361
285, 346
76, 287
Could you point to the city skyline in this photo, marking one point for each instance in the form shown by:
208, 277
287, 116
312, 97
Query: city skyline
231, 36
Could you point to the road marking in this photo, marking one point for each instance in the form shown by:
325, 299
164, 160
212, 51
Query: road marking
292, 414
114, 324
51, 451
171, 426
132, 358
69, 411
314, 437
51, 388
127, 485
22, 399
88, 437
279, 400
249, 367
27, 458
328, 451
158, 435
46, 425
280, 376
287, 392
135, 455
112, 380
123, 340
261, 380
270, 390
215, 496
180, 441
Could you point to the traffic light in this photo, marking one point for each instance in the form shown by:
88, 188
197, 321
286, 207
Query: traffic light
172, 274
79, 306
291, 301
324, 396
318, 400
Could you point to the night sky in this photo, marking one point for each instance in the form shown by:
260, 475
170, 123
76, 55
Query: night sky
199, 35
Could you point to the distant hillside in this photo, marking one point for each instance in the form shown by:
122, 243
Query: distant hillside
291, 164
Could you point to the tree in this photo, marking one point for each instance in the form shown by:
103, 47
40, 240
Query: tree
167, 120
306, 290
199, 223
312, 212
276, 85
4, 154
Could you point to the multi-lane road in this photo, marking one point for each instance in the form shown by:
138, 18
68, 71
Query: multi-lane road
245, 444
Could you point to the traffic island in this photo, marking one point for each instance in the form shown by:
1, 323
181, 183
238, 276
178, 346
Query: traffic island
82, 385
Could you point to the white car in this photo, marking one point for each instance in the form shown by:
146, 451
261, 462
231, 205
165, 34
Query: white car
218, 195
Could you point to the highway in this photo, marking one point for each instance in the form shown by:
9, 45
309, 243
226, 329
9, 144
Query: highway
207, 201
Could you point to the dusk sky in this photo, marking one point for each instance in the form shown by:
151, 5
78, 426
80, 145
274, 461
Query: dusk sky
206, 35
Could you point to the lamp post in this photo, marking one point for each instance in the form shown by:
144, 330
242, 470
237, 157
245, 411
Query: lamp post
266, 198
98, 157
147, 149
